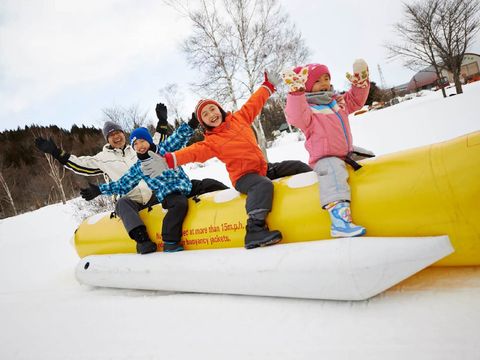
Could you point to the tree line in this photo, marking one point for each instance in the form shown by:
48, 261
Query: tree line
28, 178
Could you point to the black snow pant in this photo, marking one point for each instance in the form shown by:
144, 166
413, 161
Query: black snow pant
176, 205
204, 186
259, 189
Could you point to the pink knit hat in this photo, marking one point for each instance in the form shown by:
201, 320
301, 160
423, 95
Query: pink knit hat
314, 73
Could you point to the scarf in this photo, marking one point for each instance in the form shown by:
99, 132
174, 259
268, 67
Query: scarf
325, 98
320, 97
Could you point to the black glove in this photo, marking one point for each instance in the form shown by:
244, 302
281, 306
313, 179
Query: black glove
162, 124
49, 147
193, 122
91, 192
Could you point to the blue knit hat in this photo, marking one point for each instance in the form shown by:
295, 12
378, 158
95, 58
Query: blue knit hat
140, 133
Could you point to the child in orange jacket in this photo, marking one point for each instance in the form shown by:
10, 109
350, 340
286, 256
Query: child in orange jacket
229, 137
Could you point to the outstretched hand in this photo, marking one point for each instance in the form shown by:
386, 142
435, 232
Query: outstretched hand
162, 115
295, 80
360, 74
272, 77
91, 192
193, 122
47, 146
154, 166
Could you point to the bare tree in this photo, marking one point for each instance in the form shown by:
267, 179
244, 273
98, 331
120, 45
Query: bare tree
417, 48
436, 33
5, 186
55, 170
128, 118
233, 42
454, 28
57, 173
8, 193
173, 100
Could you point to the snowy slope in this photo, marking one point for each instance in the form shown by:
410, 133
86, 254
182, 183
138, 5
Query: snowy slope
46, 314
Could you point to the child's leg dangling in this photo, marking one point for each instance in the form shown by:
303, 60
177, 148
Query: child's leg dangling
259, 190
341, 217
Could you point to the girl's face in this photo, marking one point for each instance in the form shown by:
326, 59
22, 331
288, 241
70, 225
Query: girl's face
116, 139
141, 146
211, 115
322, 84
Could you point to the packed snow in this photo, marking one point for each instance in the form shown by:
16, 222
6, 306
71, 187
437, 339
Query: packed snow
46, 314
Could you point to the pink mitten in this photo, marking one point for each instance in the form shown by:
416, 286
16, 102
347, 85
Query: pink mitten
360, 74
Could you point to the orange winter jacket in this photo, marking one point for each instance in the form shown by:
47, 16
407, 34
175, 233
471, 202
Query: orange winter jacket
232, 142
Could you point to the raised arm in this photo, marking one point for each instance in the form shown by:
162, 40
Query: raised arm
177, 140
356, 97
161, 130
83, 165
249, 111
297, 110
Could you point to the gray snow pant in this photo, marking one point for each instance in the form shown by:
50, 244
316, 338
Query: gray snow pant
259, 189
127, 210
332, 180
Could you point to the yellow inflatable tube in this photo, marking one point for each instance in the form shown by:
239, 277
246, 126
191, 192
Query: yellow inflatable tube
427, 191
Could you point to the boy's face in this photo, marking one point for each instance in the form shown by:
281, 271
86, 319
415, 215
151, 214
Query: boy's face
116, 139
322, 84
141, 146
211, 115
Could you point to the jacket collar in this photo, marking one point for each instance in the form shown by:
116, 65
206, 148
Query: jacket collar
109, 148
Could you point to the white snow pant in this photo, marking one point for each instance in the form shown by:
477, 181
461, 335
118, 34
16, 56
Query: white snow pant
332, 180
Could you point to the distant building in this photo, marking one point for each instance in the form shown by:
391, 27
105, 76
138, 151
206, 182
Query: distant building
428, 79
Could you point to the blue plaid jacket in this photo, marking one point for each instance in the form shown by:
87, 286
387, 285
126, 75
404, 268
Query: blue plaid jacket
170, 181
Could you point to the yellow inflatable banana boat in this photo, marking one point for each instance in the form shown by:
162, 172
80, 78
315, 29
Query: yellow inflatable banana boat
427, 191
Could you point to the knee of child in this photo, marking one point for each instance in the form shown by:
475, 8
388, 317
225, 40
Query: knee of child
182, 203
121, 204
266, 185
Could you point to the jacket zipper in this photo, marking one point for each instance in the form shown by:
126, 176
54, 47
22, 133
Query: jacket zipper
343, 126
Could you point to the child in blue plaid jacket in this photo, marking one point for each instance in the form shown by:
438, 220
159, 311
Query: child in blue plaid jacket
172, 188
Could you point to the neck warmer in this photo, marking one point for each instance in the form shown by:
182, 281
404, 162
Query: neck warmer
320, 97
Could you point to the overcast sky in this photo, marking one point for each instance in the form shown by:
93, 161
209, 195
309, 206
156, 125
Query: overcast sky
62, 62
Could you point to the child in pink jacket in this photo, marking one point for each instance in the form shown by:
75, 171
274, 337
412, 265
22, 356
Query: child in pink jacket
322, 115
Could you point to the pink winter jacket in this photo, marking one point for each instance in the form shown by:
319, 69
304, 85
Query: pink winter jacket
326, 127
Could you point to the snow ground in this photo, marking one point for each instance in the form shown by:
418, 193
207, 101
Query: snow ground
46, 314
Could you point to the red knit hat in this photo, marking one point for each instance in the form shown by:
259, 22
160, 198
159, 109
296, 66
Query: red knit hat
201, 104
314, 73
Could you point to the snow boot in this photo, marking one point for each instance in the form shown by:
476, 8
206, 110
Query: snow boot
172, 246
341, 217
258, 234
144, 244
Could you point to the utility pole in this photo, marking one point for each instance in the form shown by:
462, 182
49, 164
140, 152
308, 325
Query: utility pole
382, 79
